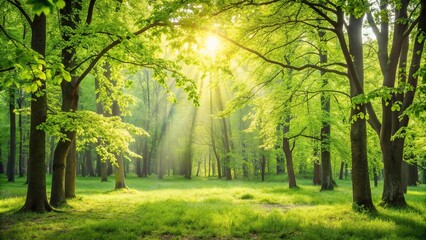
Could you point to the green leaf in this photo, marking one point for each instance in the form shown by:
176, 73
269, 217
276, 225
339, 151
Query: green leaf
41, 75
34, 87
66, 75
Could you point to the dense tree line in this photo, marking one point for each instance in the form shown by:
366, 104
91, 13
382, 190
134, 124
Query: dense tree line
233, 89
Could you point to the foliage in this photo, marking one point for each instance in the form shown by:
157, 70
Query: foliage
112, 136
46, 6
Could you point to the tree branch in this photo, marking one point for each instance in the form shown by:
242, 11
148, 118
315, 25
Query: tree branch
303, 135
415, 164
314, 7
11, 38
90, 12
373, 120
411, 27
373, 26
263, 57
106, 49
332, 91
7, 69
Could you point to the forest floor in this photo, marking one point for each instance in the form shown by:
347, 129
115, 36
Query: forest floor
208, 208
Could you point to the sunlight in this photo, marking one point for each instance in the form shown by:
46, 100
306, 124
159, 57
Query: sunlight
212, 44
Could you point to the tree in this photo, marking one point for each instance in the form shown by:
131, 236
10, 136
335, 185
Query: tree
12, 141
396, 100
326, 174
70, 19
36, 199
20, 102
119, 170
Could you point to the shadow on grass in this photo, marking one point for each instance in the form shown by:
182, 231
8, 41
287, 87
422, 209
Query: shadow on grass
217, 219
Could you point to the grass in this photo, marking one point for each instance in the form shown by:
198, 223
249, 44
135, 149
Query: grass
207, 208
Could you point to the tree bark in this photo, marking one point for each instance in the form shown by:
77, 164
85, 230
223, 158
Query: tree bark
375, 177
288, 154
404, 177
262, 166
138, 162
70, 17
36, 200
12, 138
327, 176
103, 167
225, 137
317, 173
358, 134
392, 151
119, 173
119, 170
213, 140
51, 153
342, 170
21, 166
413, 174
70, 171
89, 162
69, 103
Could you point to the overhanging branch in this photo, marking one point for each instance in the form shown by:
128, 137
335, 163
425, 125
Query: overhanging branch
287, 66
109, 47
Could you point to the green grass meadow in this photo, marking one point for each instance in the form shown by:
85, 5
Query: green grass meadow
208, 208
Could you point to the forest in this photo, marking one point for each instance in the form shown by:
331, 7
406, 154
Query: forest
200, 119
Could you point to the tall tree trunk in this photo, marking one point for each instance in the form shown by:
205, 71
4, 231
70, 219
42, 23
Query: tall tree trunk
89, 162
358, 134
103, 170
392, 151
404, 177
70, 171
51, 154
342, 169
1, 161
119, 173
262, 166
36, 200
103, 166
424, 173
161, 155
413, 174
145, 158
279, 160
317, 173
375, 177
327, 176
288, 153
12, 138
187, 161
147, 125
138, 162
70, 17
225, 137
69, 103
209, 164
212, 136
119, 170
21, 166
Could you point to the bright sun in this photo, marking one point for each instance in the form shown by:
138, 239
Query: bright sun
212, 43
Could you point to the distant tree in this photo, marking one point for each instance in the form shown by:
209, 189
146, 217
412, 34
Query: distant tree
22, 133
11, 164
